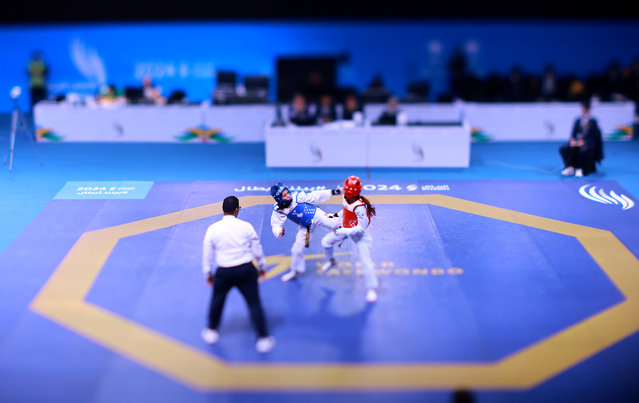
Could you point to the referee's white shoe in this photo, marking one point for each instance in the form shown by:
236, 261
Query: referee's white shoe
265, 344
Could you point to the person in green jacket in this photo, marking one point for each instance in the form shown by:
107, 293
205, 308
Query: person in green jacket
38, 72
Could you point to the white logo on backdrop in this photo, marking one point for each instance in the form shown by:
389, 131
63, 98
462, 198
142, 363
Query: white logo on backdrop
601, 197
88, 62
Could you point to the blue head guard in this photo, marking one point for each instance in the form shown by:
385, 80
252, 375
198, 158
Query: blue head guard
276, 192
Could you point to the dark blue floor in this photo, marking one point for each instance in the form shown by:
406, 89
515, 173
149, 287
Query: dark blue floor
40, 172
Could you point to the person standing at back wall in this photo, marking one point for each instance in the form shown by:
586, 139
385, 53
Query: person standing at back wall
38, 72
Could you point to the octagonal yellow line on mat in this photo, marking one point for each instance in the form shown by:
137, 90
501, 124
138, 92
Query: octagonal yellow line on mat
62, 301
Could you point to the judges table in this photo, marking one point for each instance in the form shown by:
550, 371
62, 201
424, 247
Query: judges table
149, 123
518, 121
344, 145
550, 121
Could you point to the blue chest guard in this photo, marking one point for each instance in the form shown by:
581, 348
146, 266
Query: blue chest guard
302, 214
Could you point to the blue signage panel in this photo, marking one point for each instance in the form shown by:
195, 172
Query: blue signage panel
104, 190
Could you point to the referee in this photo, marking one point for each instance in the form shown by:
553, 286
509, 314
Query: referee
233, 243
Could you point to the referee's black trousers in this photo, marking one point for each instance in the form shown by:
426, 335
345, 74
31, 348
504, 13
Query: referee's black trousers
244, 277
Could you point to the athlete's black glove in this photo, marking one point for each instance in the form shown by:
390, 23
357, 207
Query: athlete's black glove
336, 191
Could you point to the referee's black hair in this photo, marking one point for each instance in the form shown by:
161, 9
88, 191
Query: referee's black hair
230, 204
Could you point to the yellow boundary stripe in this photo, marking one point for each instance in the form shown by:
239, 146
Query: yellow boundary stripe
62, 301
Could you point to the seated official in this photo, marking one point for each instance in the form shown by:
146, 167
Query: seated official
300, 113
390, 114
326, 110
151, 94
585, 148
351, 108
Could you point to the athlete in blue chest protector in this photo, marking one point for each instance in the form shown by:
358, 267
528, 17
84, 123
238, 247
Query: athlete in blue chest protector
299, 208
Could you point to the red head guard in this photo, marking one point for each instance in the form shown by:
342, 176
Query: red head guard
352, 187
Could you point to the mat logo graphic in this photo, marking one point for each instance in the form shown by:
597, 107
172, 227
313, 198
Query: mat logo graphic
601, 197
397, 272
291, 188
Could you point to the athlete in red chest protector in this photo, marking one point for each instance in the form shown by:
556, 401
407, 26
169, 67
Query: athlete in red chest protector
356, 216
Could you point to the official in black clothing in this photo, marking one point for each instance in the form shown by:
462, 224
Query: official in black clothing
391, 115
229, 247
300, 113
585, 148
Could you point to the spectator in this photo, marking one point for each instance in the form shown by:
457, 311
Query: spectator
612, 82
635, 76
515, 86
576, 90
376, 91
300, 113
626, 89
634, 95
38, 72
493, 88
549, 89
458, 73
585, 149
417, 91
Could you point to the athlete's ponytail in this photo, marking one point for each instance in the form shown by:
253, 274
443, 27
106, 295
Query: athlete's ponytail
369, 206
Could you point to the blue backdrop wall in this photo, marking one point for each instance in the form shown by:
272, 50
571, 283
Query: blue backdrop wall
186, 56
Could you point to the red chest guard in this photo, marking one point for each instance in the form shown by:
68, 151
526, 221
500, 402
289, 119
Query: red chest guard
349, 219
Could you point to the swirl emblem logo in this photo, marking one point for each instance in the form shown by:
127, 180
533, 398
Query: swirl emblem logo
418, 151
590, 192
88, 62
316, 152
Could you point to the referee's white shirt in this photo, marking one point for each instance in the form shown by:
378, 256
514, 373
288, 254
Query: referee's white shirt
230, 242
